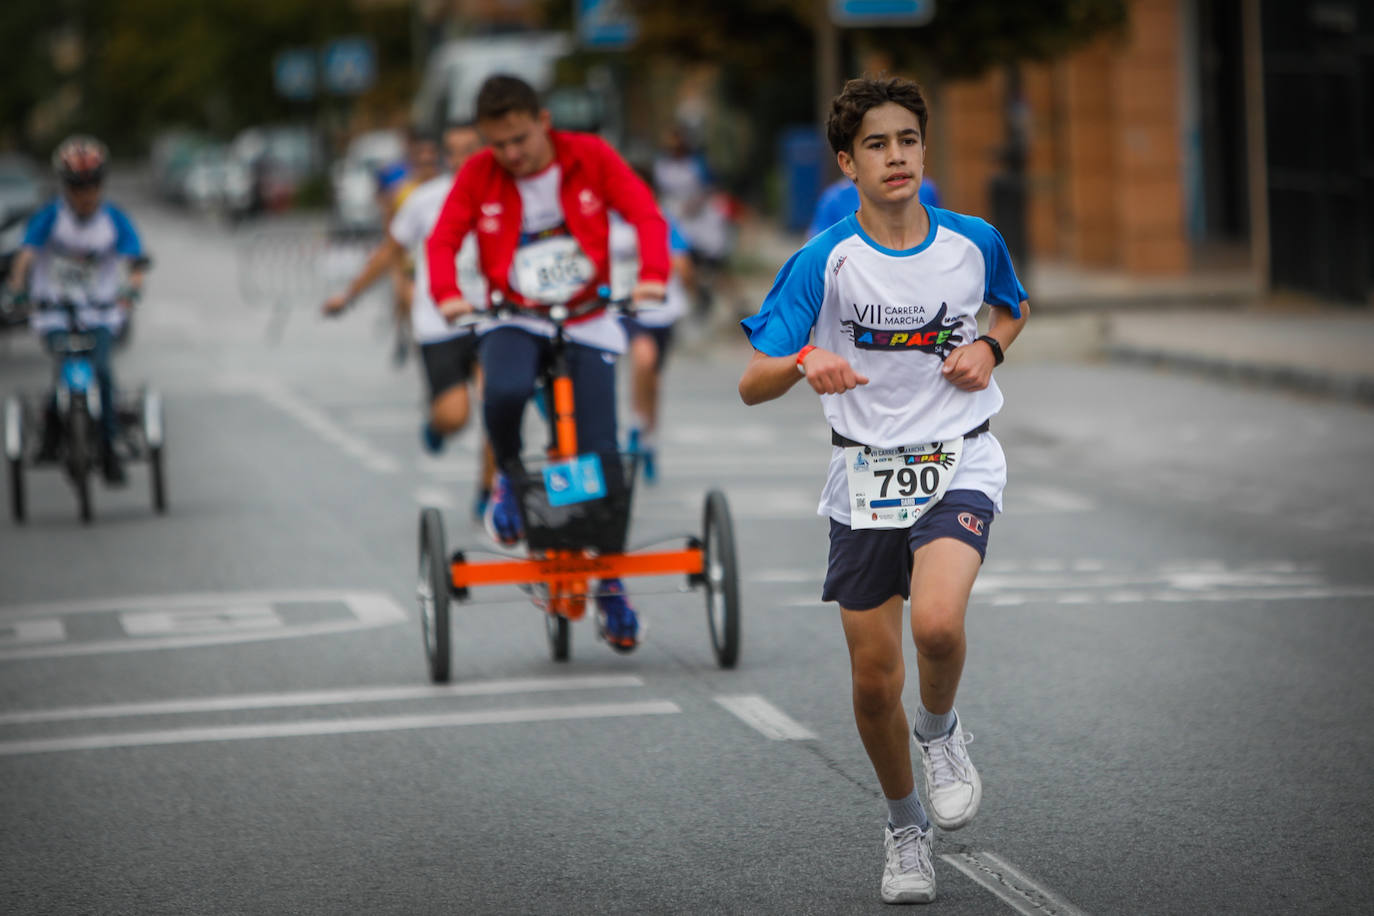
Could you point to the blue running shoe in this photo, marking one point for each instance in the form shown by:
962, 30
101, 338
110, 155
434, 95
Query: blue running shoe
431, 438
646, 458
502, 518
616, 621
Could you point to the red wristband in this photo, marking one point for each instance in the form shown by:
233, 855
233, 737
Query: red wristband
801, 355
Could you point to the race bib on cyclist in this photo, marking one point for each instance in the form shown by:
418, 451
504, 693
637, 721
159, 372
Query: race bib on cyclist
72, 277
893, 487
576, 480
551, 270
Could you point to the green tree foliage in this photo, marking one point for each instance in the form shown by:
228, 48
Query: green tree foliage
966, 37
205, 64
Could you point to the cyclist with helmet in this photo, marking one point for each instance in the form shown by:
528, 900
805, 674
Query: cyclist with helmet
83, 249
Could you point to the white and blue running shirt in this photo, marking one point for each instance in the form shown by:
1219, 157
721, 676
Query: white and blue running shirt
895, 316
79, 261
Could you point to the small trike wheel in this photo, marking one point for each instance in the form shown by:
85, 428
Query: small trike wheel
560, 636
720, 574
151, 420
432, 590
14, 456
81, 454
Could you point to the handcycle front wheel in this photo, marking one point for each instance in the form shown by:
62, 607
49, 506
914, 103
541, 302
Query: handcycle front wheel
153, 436
432, 592
559, 630
14, 455
720, 575
81, 454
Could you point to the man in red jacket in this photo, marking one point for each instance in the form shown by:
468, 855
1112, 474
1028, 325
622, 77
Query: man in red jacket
538, 201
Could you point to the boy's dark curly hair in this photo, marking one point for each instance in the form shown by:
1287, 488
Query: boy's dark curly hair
859, 95
503, 94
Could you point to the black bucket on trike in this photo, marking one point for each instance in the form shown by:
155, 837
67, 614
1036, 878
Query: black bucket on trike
600, 524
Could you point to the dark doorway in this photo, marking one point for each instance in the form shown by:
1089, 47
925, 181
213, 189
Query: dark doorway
1221, 109
1319, 140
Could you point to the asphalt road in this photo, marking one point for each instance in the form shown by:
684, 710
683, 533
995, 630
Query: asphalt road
226, 710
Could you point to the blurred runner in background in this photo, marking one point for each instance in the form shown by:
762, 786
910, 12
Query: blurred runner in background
841, 198
449, 356
650, 331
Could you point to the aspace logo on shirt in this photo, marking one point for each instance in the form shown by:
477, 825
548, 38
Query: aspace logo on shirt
936, 336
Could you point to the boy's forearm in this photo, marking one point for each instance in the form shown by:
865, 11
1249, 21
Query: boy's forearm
1003, 327
768, 377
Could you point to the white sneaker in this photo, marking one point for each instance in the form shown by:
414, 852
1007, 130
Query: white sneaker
909, 875
952, 784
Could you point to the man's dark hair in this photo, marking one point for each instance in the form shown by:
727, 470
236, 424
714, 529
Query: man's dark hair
859, 96
504, 94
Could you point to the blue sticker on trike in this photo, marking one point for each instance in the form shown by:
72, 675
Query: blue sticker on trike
78, 374
576, 480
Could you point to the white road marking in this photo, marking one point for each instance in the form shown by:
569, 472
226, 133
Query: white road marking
196, 620
1047, 499
321, 698
201, 620
385, 418
1082, 581
764, 717
317, 422
30, 631
338, 727
1011, 885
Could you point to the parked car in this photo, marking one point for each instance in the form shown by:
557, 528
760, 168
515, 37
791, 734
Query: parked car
282, 159
172, 155
354, 179
217, 181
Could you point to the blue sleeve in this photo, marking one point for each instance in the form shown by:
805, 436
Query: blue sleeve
126, 237
837, 201
677, 242
39, 228
1000, 285
784, 321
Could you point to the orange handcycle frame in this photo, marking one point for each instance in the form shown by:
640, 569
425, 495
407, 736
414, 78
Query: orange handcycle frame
559, 580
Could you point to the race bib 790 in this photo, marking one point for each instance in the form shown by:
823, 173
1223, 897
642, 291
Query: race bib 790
893, 487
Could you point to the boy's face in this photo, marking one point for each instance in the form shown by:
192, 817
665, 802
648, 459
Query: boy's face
888, 157
520, 141
83, 198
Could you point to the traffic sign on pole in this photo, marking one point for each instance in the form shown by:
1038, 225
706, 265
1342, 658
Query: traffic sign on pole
293, 74
881, 12
349, 65
605, 24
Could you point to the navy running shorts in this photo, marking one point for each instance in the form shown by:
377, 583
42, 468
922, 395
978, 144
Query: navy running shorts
449, 363
870, 565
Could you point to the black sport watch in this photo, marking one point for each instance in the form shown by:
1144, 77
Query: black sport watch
997, 355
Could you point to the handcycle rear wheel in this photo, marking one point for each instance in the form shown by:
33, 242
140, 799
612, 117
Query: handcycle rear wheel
432, 591
720, 575
559, 630
14, 454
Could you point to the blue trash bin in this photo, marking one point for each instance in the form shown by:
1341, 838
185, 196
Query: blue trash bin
802, 152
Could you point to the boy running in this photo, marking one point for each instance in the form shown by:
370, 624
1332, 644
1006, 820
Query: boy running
892, 293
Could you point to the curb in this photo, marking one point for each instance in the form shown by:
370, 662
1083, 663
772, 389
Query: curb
1354, 388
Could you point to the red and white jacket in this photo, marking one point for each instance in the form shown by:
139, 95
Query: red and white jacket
595, 179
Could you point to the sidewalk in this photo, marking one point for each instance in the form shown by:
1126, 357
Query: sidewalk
1209, 321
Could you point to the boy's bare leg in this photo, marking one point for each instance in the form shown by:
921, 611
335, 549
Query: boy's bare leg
878, 672
941, 580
